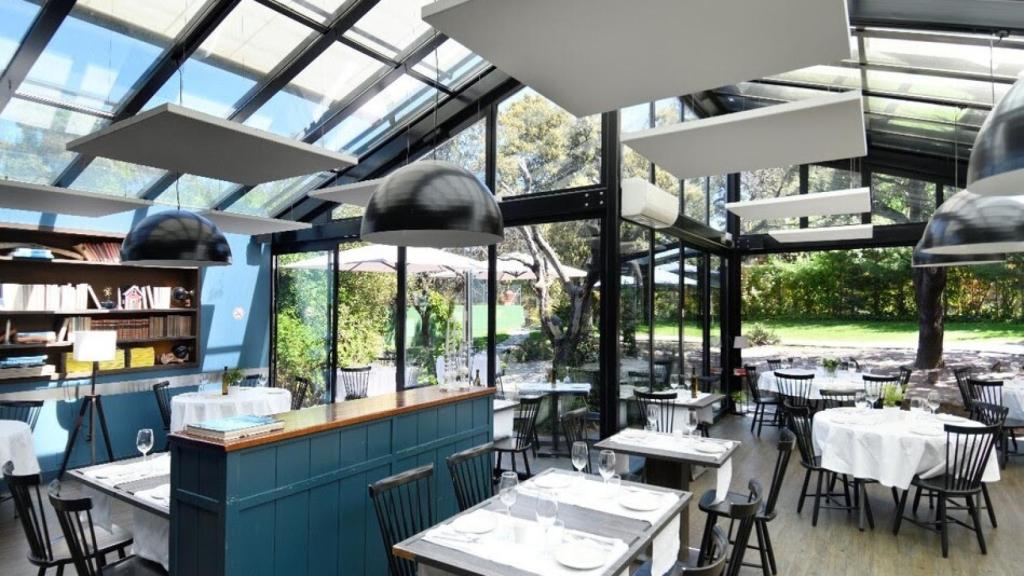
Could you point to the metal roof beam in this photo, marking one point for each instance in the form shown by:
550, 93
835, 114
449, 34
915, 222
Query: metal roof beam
39, 34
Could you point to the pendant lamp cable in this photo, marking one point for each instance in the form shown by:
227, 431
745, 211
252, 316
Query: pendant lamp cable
181, 102
437, 95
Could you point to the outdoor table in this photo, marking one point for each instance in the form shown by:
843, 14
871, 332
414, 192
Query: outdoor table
555, 391
16, 446
194, 407
669, 460
143, 485
518, 546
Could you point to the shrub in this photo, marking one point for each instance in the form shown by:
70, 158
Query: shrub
761, 335
536, 346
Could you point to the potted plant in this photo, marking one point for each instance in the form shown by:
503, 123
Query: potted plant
831, 365
739, 402
892, 397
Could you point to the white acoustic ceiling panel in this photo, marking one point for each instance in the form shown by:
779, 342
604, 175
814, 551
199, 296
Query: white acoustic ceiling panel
186, 141
592, 56
41, 198
356, 193
814, 130
853, 201
825, 234
252, 225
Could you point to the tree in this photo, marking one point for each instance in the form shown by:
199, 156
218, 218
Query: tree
929, 284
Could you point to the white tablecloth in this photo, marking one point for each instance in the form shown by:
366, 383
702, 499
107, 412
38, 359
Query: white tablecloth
557, 388
16, 446
193, 407
844, 380
1013, 398
681, 405
882, 445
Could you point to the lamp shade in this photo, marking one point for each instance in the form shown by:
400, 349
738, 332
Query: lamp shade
997, 159
175, 238
95, 345
432, 204
969, 224
741, 342
923, 259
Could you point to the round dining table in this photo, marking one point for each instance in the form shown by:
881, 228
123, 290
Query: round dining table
888, 445
843, 380
194, 407
16, 446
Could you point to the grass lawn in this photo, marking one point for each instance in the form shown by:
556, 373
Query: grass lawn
876, 332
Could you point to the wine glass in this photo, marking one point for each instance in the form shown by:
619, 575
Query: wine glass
916, 406
934, 401
691, 421
606, 464
547, 509
860, 401
507, 488
653, 413
580, 456
263, 379
871, 393
144, 442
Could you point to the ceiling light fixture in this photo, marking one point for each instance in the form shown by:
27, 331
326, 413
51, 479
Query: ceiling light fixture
996, 167
971, 224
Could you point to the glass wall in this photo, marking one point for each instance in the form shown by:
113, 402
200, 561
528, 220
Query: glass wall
769, 183
302, 325
898, 200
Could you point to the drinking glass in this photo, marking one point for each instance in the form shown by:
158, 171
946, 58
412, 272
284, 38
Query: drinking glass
263, 379
606, 464
507, 489
860, 401
652, 418
673, 381
144, 442
871, 393
614, 485
580, 456
916, 406
547, 509
691, 422
934, 401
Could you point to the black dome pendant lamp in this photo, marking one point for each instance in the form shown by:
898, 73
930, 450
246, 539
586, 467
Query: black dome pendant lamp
175, 238
922, 259
996, 167
431, 203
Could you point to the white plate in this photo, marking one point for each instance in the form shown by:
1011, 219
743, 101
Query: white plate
927, 431
581, 556
552, 481
641, 501
710, 448
475, 523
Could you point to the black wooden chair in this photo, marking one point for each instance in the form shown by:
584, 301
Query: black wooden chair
837, 398
991, 392
774, 364
714, 565
523, 440
794, 390
356, 381
88, 545
801, 424
26, 411
663, 374
761, 400
967, 452
163, 403
302, 388
962, 374
905, 373
989, 415
472, 475
659, 405
574, 427
879, 384
741, 512
250, 381
404, 506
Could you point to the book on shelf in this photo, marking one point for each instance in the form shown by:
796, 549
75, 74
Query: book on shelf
234, 427
38, 337
100, 251
27, 372
78, 297
22, 362
26, 253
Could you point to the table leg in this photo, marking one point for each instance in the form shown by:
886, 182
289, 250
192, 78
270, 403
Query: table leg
675, 475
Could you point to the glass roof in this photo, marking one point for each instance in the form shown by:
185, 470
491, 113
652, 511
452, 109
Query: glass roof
322, 11
15, 18
391, 27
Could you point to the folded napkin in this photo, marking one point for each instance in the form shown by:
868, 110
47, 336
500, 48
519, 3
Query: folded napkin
120, 473
161, 495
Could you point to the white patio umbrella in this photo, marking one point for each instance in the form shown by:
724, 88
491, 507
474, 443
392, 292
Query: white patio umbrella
384, 259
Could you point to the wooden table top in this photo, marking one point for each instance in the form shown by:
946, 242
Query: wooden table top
699, 459
330, 416
637, 534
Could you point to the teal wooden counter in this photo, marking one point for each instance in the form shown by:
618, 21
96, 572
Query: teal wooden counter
296, 501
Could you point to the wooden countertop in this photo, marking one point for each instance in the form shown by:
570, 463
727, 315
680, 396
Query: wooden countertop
327, 417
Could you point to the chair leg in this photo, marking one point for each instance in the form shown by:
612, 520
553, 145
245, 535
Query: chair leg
917, 499
817, 499
846, 490
899, 512
895, 497
867, 505
705, 540
762, 548
977, 524
526, 460
768, 547
943, 526
753, 422
988, 505
803, 492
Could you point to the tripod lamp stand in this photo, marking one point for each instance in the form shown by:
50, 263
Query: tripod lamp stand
91, 346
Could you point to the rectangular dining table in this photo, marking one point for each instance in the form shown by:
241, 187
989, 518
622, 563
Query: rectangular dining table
637, 534
555, 391
672, 468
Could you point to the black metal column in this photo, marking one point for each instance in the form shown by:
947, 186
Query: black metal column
732, 294
332, 355
400, 309
610, 279
491, 179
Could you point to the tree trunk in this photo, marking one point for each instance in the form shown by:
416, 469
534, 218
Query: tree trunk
929, 283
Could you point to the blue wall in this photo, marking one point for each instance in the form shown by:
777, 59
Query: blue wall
225, 341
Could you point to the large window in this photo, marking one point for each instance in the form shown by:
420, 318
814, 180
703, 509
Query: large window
769, 183
541, 147
898, 200
302, 323
826, 179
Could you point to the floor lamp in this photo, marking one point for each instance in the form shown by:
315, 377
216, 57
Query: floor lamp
91, 346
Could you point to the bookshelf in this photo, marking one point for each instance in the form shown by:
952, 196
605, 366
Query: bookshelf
139, 329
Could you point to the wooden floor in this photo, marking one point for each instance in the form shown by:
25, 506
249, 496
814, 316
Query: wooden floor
835, 547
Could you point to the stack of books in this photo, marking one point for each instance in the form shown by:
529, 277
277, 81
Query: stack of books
141, 357
31, 254
24, 367
46, 297
234, 428
100, 251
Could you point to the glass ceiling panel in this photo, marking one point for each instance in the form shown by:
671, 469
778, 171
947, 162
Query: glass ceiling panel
454, 61
93, 61
197, 192
373, 121
335, 74
247, 45
323, 11
32, 139
269, 198
391, 27
115, 177
949, 56
15, 18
